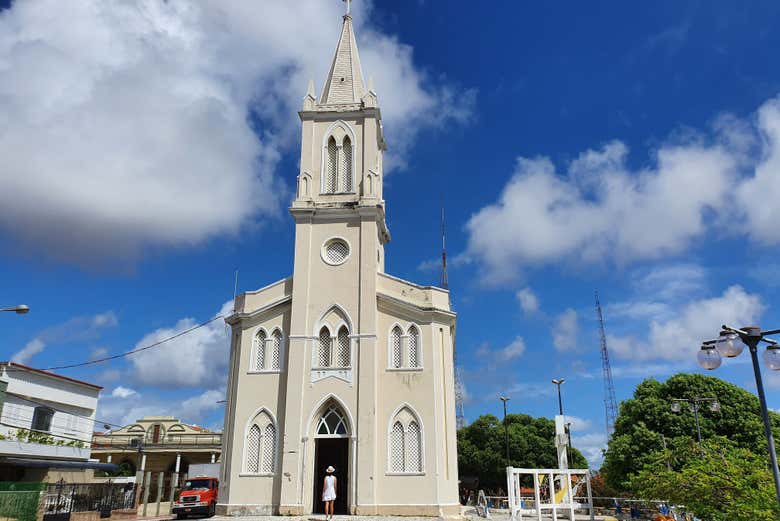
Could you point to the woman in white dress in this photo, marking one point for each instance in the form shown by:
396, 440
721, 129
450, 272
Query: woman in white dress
329, 492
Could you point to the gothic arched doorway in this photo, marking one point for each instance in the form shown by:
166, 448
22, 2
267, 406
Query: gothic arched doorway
331, 448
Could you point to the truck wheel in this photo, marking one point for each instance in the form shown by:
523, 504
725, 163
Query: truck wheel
212, 509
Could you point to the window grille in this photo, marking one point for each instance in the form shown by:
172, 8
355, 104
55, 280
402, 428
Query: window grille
42, 417
259, 361
344, 351
414, 448
397, 448
325, 341
269, 450
276, 352
332, 166
395, 342
346, 166
336, 252
253, 450
414, 347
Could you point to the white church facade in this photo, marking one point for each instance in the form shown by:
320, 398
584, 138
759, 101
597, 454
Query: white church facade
341, 364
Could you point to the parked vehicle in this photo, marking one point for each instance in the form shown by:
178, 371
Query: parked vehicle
198, 497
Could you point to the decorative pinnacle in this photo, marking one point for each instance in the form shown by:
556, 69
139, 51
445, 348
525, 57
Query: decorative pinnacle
348, 2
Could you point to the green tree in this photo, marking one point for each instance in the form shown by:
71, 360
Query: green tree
646, 422
719, 481
482, 447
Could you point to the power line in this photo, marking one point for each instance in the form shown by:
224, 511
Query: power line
9, 369
134, 351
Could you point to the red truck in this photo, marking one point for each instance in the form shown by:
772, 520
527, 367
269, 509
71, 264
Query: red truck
199, 496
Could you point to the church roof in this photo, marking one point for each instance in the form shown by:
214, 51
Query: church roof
345, 80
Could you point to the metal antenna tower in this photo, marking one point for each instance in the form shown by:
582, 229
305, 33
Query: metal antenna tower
610, 402
445, 283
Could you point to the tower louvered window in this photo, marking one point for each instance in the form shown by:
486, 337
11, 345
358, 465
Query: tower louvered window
343, 348
253, 441
324, 348
346, 166
414, 347
276, 350
269, 450
258, 362
396, 347
397, 451
261, 445
331, 170
413, 448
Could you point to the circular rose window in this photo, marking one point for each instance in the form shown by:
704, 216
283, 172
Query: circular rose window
335, 252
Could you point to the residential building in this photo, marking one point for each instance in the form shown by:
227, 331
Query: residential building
341, 364
157, 444
46, 425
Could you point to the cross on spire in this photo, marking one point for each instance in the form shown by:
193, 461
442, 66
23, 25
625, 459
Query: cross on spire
348, 2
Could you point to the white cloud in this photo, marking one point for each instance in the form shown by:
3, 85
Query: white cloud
123, 392
76, 329
512, 351
208, 401
565, 331
592, 446
98, 352
579, 424
679, 338
197, 359
180, 108
601, 210
32, 348
529, 302
127, 406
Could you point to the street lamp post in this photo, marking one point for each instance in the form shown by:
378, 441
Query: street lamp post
506, 427
694, 404
559, 383
21, 309
731, 344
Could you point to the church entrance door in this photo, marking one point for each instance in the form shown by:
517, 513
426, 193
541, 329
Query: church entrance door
332, 452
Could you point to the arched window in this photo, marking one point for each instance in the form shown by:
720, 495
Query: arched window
414, 347
324, 348
343, 348
276, 350
261, 446
397, 448
396, 348
258, 359
346, 165
331, 169
405, 443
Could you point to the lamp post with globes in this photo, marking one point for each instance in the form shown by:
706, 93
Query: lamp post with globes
730, 344
694, 404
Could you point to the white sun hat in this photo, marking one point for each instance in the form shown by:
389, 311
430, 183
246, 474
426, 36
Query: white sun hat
330, 470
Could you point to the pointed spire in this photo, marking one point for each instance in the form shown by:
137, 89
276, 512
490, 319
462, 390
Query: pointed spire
310, 91
345, 80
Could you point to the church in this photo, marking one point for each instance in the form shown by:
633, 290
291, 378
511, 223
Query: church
341, 364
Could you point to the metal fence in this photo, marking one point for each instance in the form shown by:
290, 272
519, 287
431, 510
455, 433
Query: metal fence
19, 501
62, 499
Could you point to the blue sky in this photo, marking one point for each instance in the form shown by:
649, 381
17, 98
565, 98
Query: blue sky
150, 150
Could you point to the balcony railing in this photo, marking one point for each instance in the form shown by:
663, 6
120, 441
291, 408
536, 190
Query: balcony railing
167, 441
